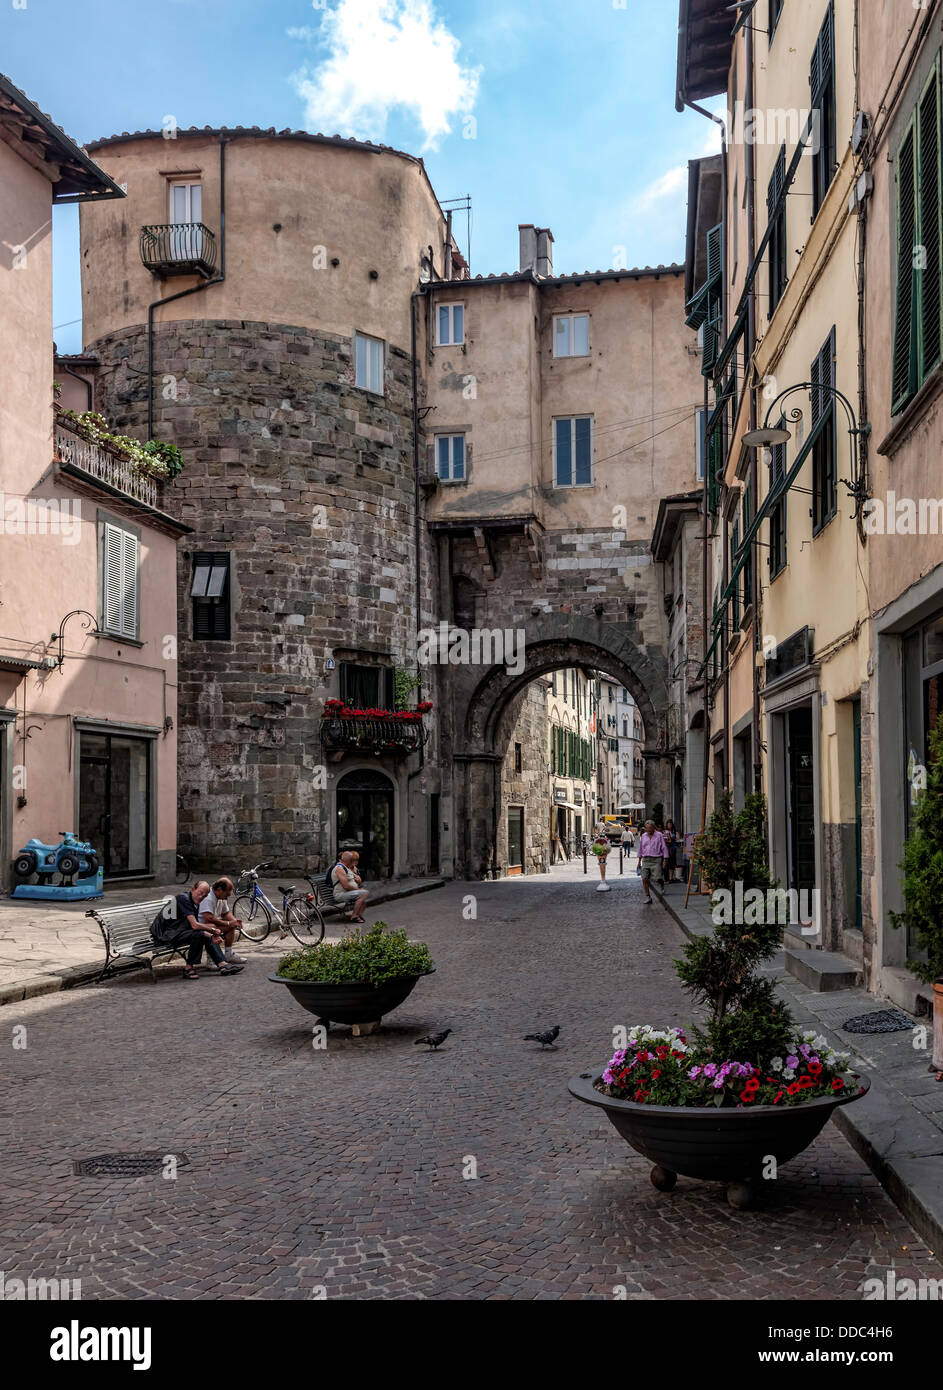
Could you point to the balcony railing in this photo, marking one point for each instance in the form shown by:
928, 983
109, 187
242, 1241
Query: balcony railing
104, 465
389, 737
179, 248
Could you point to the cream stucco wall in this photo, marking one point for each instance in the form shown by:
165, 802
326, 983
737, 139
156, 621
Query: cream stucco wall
371, 211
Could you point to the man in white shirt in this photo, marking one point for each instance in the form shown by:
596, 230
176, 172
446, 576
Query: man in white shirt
216, 912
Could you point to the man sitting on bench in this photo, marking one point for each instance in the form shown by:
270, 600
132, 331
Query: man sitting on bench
215, 911
178, 925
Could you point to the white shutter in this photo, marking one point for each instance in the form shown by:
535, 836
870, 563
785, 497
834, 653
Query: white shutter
129, 585
111, 579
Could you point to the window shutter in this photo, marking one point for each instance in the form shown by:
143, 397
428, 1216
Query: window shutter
929, 199
111, 579
129, 585
715, 251
905, 345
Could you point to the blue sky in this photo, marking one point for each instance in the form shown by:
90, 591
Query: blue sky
569, 103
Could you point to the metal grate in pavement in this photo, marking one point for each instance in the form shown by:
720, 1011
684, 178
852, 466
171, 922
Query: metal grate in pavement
124, 1165
884, 1021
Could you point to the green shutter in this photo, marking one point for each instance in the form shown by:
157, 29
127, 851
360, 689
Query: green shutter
905, 338
928, 189
734, 547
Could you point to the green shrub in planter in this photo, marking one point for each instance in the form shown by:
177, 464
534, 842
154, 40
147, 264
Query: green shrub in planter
371, 957
923, 869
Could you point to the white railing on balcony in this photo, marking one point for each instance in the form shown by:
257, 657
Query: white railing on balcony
104, 466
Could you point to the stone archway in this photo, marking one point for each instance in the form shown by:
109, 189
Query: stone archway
484, 704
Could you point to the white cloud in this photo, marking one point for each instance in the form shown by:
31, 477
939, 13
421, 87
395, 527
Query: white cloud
669, 185
384, 55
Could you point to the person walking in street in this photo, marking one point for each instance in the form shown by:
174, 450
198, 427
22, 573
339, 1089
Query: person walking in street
671, 840
653, 856
627, 843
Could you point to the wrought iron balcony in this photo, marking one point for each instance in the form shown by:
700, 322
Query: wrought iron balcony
390, 737
179, 248
101, 464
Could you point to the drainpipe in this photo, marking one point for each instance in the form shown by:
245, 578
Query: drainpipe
754, 465
862, 293
417, 519
194, 289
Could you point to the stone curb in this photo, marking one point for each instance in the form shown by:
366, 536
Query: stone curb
905, 1155
72, 975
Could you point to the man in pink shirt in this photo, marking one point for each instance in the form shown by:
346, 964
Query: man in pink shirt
653, 856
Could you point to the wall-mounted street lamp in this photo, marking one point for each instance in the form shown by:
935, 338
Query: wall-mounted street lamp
771, 435
59, 637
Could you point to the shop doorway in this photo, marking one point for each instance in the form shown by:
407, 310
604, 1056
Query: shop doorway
115, 801
800, 797
515, 840
365, 821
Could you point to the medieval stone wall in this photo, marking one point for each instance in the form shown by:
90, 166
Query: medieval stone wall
307, 482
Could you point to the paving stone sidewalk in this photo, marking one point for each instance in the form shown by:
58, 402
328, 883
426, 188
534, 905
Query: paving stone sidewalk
898, 1127
374, 1169
48, 946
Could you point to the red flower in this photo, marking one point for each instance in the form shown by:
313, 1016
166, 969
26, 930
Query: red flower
661, 1051
804, 1083
794, 1089
837, 1083
656, 1074
641, 1096
814, 1068
777, 1097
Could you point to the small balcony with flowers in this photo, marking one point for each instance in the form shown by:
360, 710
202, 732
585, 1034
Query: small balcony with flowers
89, 458
374, 732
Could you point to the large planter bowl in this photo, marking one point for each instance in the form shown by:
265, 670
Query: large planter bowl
730, 1145
350, 1003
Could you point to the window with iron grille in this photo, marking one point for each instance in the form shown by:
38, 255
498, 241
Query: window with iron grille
777, 516
776, 249
210, 596
917, 329
822, 82
824, 481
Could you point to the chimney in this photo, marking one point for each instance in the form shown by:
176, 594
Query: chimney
544, 251
528, 236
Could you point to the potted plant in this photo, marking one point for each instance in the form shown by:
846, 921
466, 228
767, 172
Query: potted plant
922, 866
748, 1087
358, 979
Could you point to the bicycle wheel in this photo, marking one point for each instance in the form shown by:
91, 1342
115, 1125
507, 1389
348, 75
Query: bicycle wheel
254, 915
182, 869
304, 921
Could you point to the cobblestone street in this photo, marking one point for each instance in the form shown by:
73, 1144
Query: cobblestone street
342, 1169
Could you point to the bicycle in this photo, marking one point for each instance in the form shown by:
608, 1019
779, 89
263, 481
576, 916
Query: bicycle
299, 915
181, 868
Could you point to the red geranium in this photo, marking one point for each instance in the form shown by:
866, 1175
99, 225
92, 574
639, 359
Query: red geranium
837, 1083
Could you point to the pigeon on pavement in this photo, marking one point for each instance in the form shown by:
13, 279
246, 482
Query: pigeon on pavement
434, 1040
546, 1039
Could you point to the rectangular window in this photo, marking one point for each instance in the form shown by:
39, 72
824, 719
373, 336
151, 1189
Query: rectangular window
776, 249
366, 687
917, 332
120, 581
209, 592
368, 355
571, 335
824, 482
518, 758
186, 202
734, 547
450, 325
822, 82
777, 516
573, 451
450, 457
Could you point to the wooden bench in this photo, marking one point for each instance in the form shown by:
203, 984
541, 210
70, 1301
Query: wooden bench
127, 935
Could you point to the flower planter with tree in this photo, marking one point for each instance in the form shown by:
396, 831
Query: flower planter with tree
922, 866
749, 1091
358, 979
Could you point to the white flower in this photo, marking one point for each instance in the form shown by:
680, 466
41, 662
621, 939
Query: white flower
819, 1042
776, 1064
788, 1074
